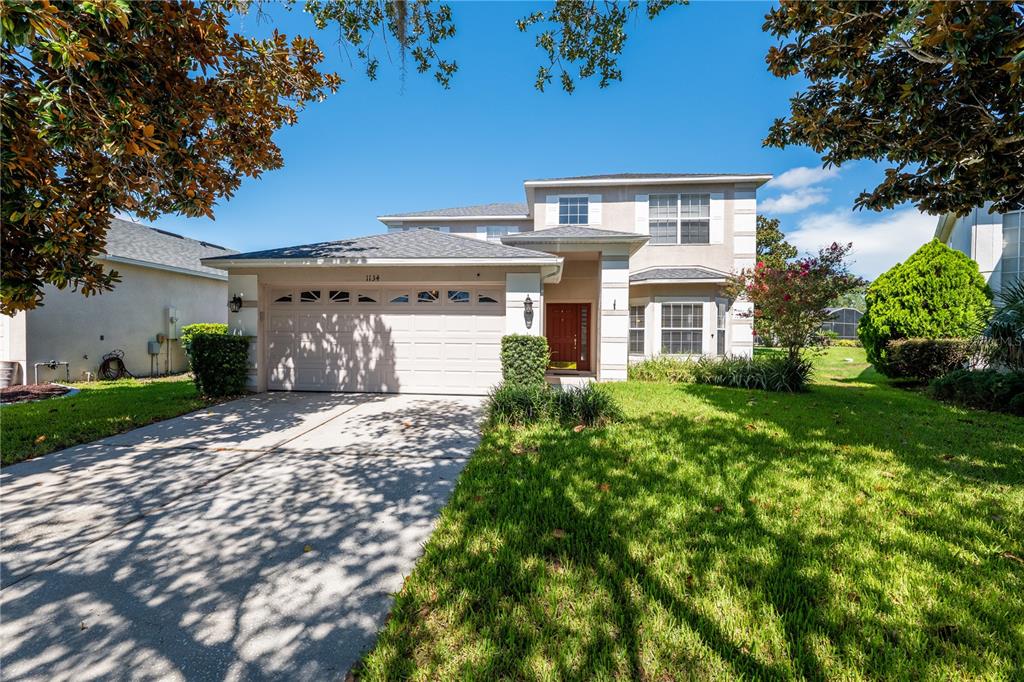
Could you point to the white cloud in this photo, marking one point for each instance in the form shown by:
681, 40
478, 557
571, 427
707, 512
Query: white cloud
793, 202
802, 176
879, 240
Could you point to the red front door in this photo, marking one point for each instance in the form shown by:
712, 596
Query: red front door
568, 332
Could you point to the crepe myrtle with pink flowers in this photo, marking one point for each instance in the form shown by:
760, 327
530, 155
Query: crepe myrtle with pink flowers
792, 301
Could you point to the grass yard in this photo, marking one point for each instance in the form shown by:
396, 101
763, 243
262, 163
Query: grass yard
100, 409
854, 531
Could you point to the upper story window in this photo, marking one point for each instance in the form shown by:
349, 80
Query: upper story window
1013, 248
496, 232
573, 211
680, 218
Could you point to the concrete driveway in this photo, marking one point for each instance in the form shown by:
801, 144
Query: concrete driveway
258, 539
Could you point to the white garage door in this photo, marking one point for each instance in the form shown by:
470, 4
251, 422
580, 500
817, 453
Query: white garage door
434, 339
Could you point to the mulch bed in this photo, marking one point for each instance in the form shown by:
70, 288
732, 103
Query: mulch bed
20, 394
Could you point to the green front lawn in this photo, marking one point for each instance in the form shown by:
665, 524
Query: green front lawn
100, 409
855, 531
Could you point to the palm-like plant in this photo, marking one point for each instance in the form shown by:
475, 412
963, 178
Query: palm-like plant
1005, 330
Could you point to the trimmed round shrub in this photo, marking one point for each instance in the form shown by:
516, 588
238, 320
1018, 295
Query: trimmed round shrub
926, 358
524, 359
985, 389
187, 332
936, 293
220, 363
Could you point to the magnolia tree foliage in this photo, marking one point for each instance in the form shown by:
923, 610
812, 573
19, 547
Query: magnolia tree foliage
791, 301
157, 107
933, 88
937, 292
139, 107
772, 248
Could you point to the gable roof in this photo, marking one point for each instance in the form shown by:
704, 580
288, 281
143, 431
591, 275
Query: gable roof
574, 233
656, 275
497, 210
136, 244
405, 245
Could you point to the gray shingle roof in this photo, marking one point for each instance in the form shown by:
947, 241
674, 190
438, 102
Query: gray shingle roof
694, 272
571, 233
126, 239
497, 209
635, 176
411, 244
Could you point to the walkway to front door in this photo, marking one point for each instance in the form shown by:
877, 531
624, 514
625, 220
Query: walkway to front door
568, 332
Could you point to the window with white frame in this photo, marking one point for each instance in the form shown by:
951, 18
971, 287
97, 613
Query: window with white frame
573, 211
679, 218
682, 328
723, 309
636, 329
1013, 248
496, 232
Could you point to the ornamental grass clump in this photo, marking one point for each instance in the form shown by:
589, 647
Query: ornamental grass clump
518, 405
780, 373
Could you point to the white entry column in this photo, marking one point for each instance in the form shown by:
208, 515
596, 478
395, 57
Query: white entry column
613, 330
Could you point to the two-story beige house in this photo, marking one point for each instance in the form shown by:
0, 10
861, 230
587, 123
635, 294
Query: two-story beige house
610, 268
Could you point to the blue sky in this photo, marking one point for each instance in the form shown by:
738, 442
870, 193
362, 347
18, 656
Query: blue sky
695, 97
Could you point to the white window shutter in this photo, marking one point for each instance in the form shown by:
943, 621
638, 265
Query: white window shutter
710, 345
594, 209
717, 213
552, 212
642, 211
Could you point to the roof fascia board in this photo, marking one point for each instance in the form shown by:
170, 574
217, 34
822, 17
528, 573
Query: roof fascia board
444, 218
161, 266
225, 264
689, 180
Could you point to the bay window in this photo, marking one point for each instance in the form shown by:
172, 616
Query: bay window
636, 329
682, 328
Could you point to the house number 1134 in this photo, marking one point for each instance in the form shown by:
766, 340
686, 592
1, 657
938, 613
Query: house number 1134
373, 278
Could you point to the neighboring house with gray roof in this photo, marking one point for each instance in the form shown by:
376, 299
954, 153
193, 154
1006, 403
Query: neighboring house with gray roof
610, 268
164, 285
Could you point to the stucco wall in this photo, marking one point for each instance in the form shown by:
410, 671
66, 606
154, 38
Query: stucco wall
618, 212
12, 344
81, 330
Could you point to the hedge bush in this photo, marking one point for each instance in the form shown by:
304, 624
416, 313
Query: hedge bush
985, 389
220, 363
925, 359
188, 332
524, 404
766, 372
936, 293
524, 359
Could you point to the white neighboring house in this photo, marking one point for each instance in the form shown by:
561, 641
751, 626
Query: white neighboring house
993, 240
163, 287
610, 268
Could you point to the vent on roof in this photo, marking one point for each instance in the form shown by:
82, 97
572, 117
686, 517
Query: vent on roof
214, 246
169, 234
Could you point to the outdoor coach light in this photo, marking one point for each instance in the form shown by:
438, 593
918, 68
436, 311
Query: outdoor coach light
528, 311
235, 304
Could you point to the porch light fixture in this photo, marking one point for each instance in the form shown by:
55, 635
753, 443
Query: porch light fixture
235, 304
528, 311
